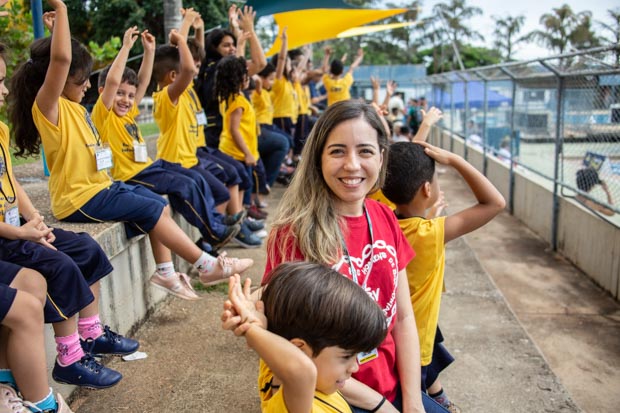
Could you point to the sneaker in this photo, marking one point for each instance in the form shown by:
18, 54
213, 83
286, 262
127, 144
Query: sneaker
254, 224
110, 343
230, 233
236, 218
246, 239
453, 408
177, 285
283, 180
10, 402
86, 372
261, 233
256, 213
224, 269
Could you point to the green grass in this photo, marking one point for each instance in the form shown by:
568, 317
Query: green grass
148, 129
21, 161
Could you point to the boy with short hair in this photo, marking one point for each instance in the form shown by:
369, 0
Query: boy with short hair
115, 115
335, 83
412, 185
308, 330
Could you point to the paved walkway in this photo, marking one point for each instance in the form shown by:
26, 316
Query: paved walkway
560, 353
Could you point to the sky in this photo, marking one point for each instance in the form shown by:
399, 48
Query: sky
532, 9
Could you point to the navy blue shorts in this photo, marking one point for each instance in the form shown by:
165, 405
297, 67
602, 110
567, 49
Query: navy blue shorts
78, 263
441, 359
223, 159
137, 207
222, 170
8, 271
286, 124
218, 189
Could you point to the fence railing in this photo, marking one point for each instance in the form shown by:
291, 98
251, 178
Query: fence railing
557, 118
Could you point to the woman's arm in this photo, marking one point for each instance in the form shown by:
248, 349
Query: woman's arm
360, 395
407, 348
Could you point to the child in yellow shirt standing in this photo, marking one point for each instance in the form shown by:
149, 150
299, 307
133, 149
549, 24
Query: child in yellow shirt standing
412, 185
335, 83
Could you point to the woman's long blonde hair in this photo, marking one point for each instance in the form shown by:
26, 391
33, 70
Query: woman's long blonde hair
307, 218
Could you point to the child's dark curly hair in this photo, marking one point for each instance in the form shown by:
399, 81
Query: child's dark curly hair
230, 74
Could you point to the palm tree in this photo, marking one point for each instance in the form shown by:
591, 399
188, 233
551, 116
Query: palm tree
612, 31
453, 17
506, 29
561, 28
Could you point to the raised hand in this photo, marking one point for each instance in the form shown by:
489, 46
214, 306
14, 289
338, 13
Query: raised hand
130, 36
148, 41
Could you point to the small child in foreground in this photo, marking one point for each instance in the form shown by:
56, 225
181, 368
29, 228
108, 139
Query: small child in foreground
412, 185
308, 329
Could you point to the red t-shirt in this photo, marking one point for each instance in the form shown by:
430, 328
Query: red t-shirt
390, 254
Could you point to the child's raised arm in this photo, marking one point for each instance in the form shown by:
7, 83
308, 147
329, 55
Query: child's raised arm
428, 120
146, 67
282, 55
257, 61
326, 56
357, 61
115, 74
490, 201
187, 69
294, 369
189, 16
60, 62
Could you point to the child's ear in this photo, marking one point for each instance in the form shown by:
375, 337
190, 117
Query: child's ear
302, 345
426, 189
100, 89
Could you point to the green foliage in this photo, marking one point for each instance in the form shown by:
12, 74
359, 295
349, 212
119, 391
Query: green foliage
104, 54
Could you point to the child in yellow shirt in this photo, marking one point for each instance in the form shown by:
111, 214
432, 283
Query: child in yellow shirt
412, 185
335, 83
309, 330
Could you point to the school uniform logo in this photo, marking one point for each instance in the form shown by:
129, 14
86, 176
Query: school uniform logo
133, 131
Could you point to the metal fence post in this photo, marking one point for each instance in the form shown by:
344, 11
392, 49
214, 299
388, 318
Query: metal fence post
451, 116
559, 118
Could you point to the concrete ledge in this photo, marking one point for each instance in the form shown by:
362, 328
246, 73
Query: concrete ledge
126, 295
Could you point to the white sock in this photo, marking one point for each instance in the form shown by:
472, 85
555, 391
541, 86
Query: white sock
166, 269
205, 263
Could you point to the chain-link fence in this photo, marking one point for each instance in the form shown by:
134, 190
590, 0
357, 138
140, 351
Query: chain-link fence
557, 118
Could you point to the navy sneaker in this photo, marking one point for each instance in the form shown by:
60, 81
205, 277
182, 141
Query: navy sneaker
228, 235
86, 372
110, 343
236, 218
254, 224
247, 239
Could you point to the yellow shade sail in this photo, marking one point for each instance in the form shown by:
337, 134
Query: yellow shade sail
315, 25
359, 31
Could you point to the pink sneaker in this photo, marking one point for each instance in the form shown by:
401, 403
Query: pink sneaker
177, 285
225, 268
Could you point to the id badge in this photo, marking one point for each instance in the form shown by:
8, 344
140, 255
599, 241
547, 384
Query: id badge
103, 156
363, 358
201, 118
12, 217
139, 152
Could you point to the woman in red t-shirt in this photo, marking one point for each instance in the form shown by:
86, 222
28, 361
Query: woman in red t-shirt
325, 217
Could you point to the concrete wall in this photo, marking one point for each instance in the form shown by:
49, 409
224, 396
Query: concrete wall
585, 239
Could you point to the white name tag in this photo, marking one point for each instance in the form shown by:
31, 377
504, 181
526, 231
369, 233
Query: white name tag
12, 217
103, 156
201, 118
139, 152
363, 358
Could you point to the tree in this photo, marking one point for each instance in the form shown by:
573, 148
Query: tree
612, 31
506, 31
453, 17
561, 27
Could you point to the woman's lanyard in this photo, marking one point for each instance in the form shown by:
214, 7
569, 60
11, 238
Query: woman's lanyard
354, 273
3, 168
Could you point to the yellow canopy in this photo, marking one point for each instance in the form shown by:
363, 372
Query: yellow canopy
361, 30
314, 25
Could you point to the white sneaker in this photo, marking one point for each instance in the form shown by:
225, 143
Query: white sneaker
177, 285
224, 268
